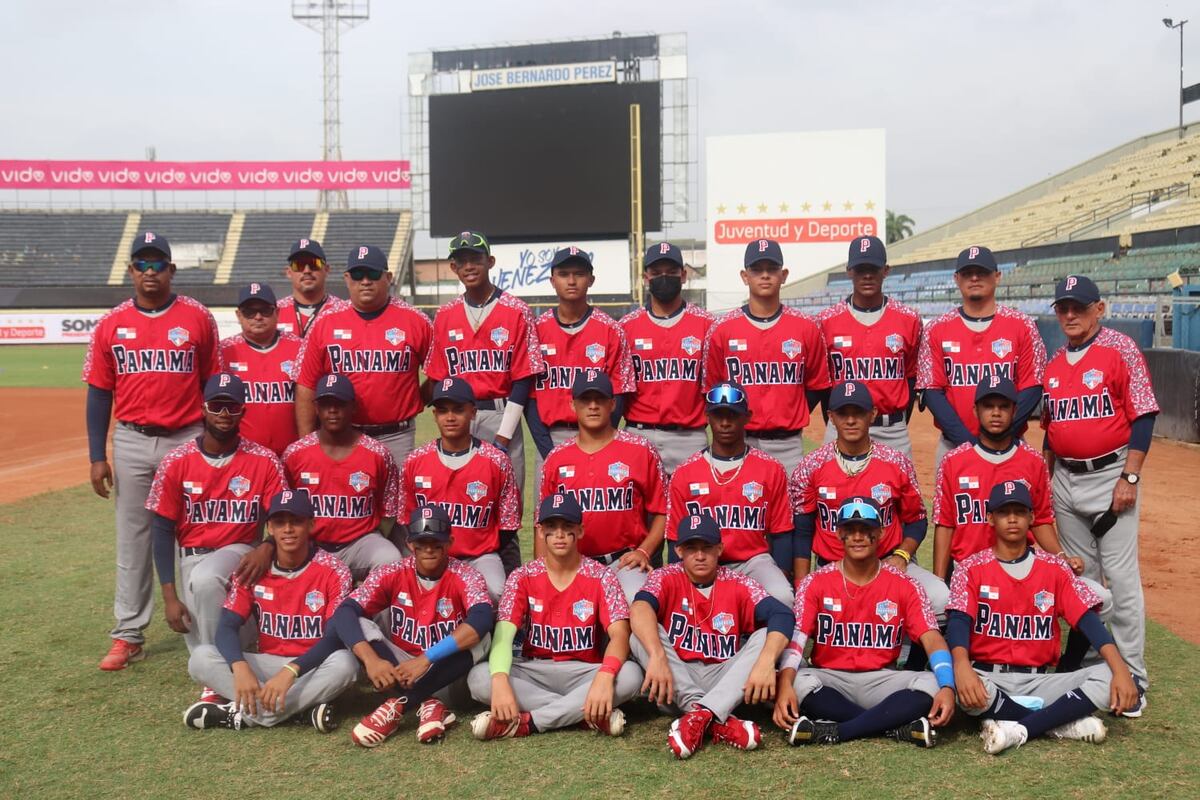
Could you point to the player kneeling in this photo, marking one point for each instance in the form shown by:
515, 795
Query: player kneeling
857, 612
438, 614
1003, 630
300, 665
566, 605
708, 638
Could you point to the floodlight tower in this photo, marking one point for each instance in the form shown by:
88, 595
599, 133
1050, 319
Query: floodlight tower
328, 18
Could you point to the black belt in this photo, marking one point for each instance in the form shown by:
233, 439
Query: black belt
565, 426
887, 420
983, 666
490, 405
385, 430
774, 433
613, 557
1089, 464
642, 426
196, 551
147, 430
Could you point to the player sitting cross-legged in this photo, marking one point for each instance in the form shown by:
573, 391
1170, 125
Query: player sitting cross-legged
708, 638
1005, 603
575, 620
857, 611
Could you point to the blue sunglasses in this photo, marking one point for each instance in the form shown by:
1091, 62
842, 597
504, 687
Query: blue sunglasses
725, 394
857, 511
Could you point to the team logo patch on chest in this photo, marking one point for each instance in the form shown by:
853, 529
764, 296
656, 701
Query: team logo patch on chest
1001, 347
444, 607
886, 610
239, 485
395, 336
1092, 378
618, 471
894, 342
594, 353
177, 336
359, 481
752, 491
314, 600
881, 493
476, 490
499, 336
831, 604
1043, 601
690, 345
286, 367
792, 348
583, 610
723, 622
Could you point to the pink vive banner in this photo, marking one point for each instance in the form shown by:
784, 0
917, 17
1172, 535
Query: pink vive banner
204, 175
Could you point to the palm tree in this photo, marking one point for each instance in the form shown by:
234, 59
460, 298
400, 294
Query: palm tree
899, 226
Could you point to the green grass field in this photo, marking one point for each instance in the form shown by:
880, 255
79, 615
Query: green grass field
51, 365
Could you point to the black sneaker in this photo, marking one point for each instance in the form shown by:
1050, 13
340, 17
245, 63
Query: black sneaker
807, 731
206, 715
918, 732
321, 716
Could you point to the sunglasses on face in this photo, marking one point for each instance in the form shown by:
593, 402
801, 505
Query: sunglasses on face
427, 525
725, 394
141, 265
358, 273
258, 311
857, 511
316, 265
225, 407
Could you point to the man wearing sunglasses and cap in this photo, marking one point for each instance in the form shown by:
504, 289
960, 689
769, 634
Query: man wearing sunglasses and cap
299, 665
307, 270
263, 356
146, 364
379, 343
857, 612
438, 617
743, 489
708, 639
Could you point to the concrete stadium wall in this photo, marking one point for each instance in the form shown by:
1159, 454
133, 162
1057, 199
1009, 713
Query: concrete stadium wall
1176, 377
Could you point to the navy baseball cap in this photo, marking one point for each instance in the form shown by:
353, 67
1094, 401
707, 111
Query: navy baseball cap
727, 394
1079, 288
455, 389
472, 241
866, 250
850, 393
294, 501
996, 385
860, 509
663, 251
337, 386
149, 240
429, 522
764, 250
256, 291
571, 255
976, 256
225, 386
1009, 492
367, 255
591, 380
310, 246
697, 526
560, 506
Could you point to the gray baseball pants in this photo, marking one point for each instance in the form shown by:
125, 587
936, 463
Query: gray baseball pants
553, 692
1093, 682
789, 451
718, 687
674, 447
485, 427
763, 569
366, 553
492, 569
865, 689
203, 585
456, 694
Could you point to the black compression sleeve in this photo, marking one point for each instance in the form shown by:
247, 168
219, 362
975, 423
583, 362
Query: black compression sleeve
1142, 432
520, 391
802, 540
958, 629
345, 622
322, 649
775, 615
226, 637
481, 617
162, 545
1091, 627
99, 409
946, 417
916, 530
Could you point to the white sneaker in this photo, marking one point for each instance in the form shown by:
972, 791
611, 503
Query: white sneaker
1000, 735
1084, 729
1137, 710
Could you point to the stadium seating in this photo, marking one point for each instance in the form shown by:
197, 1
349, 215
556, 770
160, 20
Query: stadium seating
262, 253
197, 240
50, 249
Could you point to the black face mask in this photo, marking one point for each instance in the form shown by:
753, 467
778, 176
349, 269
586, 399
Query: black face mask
665, 287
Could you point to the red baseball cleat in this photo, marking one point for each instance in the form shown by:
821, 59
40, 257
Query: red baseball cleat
485, 727
434, 719
381, 723
687, 732
739, 733
210, 695
121, 655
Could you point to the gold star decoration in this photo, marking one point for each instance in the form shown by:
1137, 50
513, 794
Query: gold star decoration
870, 205
721, 208
762, 208
806, 206
741, 208
846, 206
827, 206
783, 207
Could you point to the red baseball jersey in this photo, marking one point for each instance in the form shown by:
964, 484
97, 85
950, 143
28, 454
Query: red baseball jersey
1088, 406
503, 350
567, 625
270, 417
748, 503
616, 487
216, 506
882, 355
667, 367
858, 628
819, 484
955, 358
705, 629
381, 356
598, 343
154, 364
775, 366
298, 321
290, 610
420, 617
1015, 621
350, 497
480, 497
965, 479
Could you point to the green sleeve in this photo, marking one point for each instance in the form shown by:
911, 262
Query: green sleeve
500, 659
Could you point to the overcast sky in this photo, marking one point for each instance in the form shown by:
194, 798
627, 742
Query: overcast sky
978, 99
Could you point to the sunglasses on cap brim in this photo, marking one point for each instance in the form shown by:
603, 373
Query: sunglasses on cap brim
725, 394
467, 242
358, 273
427, 525
858, 512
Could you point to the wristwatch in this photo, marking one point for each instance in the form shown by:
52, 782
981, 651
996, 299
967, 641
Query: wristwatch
1131, 477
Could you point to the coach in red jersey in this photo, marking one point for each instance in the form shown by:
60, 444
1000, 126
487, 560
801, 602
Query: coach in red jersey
874, 339
667, 341
379, 343
1098, 413
263, 356
775, 352
1005, 605
974, 341
299, 665
307, 271
708, 639
743, 489
471, 480
857, 612
146, 363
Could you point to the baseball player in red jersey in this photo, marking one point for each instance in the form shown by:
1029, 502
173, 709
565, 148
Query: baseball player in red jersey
438, 617
471, 480
978, 339
146, 363
743, 489
616, 478
775, 352
1098, 413
574, 336
708, 639
307, 271
857, 612
667, 341
379, 343
299, 666
263, 356
1004, 609
566, 605
208, 500
874, 339
353, 481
